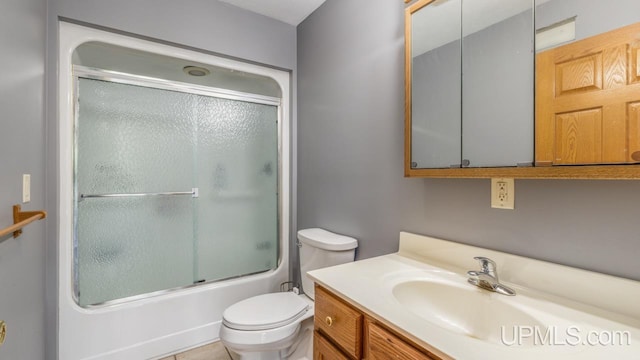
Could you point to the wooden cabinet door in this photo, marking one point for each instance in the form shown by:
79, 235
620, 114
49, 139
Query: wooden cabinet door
339, 322
383, 345
323, 350
588, 100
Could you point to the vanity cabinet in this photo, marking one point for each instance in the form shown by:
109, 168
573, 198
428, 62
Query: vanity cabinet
344, 332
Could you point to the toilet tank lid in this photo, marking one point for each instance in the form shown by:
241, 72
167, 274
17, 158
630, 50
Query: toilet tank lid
323, 239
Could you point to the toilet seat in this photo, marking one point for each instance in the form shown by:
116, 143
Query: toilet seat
265, 312
268, 322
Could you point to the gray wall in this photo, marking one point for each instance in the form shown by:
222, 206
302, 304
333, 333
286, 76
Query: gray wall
210, 26
350, 151
22, 273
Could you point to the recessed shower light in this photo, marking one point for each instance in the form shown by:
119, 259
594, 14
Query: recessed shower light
195, 71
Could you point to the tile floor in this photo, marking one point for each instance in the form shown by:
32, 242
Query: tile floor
215, 351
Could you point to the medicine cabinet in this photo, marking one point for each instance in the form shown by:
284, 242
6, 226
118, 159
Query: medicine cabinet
522, 88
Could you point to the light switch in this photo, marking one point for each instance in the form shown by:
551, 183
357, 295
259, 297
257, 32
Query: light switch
26, 188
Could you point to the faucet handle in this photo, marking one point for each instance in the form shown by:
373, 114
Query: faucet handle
487, 265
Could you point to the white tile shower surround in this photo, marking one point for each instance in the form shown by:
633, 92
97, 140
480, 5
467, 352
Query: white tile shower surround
214, 351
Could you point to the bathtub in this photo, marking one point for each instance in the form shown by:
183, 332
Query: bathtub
165, 322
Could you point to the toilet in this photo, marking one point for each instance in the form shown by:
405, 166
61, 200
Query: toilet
280, 325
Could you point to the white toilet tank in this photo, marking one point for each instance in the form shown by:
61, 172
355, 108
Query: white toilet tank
321, 248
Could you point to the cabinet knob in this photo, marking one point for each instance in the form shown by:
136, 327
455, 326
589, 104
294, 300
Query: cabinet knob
328, 320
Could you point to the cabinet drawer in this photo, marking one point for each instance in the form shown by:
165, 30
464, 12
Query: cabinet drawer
341, 323
323, 350
381, 343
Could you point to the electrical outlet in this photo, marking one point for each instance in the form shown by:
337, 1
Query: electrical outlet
502, 193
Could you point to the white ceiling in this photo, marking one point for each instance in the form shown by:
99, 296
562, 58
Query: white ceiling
289, 11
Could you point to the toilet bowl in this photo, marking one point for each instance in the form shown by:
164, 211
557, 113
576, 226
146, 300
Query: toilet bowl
267, 327
280, 325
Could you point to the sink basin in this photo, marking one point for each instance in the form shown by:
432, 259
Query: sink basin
465, 309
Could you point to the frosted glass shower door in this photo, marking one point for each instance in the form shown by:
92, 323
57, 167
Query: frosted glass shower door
132, 142
172, 187
237, 227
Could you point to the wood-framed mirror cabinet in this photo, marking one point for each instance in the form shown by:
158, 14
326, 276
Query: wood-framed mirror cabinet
584, 120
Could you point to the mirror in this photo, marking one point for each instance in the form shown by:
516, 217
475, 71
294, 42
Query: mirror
497, 83
467, 108
470, 84
436, 85
588, 82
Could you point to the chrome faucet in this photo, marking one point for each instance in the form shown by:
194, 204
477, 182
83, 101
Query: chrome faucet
487, 277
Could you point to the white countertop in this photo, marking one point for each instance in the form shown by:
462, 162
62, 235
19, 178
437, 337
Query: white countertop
580, 309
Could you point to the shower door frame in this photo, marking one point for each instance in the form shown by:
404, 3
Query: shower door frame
191, 316
85, 72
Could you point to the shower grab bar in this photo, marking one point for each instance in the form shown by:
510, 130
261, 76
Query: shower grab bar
193, 193
22, 219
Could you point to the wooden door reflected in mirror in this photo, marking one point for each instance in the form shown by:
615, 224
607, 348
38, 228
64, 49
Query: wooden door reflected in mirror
588, 101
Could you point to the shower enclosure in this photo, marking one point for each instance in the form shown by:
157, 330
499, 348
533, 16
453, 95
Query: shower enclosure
173, 193
173, 188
